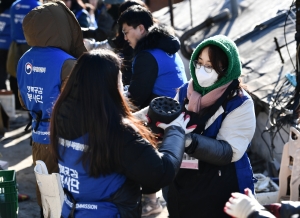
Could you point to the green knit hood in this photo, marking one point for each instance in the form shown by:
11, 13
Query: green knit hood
234, 64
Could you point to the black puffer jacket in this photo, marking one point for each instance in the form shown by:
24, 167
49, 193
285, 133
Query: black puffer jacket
145, 67
147, 168
287, 209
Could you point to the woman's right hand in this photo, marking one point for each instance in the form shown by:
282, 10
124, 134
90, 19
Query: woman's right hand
142, 115
180, 121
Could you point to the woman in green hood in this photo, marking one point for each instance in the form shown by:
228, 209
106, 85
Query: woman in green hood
224, 114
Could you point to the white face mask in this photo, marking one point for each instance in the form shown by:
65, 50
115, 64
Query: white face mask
206, 79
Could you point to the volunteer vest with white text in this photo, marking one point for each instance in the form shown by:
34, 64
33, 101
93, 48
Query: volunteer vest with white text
5, 38
39, 81
18, 11
171, 73
91, 194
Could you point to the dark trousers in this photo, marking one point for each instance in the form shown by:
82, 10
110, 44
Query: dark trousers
3, 71
14, 88
165, 191
14, 54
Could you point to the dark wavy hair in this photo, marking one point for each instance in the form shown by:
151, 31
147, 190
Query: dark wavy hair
93, 83
130, 3
136, 15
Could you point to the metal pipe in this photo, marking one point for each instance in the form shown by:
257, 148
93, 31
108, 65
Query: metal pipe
171, 12
234, 8
297, 38
278, 49
191, 13
186, 50
297, 35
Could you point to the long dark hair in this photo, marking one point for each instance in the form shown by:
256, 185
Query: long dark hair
93, 83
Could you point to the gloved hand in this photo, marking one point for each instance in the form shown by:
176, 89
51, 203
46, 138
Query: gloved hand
242, 205
180, 121
142, 115
88, 43
91, 44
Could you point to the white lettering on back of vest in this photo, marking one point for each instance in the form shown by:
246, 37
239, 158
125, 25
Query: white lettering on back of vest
69, 177
39, 69
2, 26
35, 93
19, 18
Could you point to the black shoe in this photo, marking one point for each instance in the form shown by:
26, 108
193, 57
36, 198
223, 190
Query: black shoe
41, 212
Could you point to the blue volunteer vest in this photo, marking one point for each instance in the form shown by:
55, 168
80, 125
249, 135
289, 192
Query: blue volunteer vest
171, 73
90, 193
5, 38
242, 166
78, 13
18, 11
38, 75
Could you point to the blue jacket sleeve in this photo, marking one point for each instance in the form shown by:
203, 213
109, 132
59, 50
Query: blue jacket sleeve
290, 208
261, 214
287, 209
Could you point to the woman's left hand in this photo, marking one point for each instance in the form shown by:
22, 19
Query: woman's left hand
180, 121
